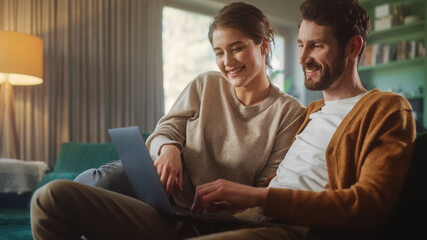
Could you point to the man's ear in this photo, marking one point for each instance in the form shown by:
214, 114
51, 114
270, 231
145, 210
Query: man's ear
354, 46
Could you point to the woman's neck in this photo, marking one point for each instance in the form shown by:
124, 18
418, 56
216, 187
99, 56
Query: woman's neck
254, 93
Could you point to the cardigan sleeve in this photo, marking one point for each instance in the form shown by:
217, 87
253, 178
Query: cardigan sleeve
367, 164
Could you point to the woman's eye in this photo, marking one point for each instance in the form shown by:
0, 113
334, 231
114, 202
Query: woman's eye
236, 49
218, 53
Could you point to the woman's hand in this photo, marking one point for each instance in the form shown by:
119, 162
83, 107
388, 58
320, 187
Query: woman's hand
222, 194
169, 167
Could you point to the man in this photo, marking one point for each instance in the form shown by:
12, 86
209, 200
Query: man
344, 171
347, 165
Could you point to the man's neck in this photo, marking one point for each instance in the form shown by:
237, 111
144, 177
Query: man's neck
347, 85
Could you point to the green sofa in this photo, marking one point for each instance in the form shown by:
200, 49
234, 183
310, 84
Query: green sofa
407, 222
73, 159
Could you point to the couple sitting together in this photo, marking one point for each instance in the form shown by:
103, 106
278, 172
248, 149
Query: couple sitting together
234, 142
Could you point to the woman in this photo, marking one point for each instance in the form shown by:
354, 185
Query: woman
234, 125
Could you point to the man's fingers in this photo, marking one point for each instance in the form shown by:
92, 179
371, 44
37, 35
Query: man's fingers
198, 204
218, 206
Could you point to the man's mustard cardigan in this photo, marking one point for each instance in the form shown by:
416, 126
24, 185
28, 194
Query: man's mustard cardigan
367, 159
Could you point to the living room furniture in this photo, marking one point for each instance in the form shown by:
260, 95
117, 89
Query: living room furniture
407, 221
21, 63
73, 159
404, 73
18, 176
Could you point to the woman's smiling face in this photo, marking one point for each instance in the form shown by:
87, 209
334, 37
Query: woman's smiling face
238, 57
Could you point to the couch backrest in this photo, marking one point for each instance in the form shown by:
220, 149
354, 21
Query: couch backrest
408, 219
77, 157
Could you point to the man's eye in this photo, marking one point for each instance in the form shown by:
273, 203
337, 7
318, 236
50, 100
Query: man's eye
236, 49
218, 53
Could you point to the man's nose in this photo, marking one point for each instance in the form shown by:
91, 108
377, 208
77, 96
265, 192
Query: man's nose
304, 56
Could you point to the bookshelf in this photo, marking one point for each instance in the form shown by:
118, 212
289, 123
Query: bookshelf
394, 59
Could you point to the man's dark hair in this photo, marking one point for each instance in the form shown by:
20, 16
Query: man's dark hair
346, 17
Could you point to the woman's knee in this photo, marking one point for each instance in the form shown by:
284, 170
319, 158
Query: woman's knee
110, 176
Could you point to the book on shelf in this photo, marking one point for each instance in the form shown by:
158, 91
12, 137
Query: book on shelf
385, 53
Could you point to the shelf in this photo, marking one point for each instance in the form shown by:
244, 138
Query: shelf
413, 97
410, 31
394, 64
372, 3
409, 75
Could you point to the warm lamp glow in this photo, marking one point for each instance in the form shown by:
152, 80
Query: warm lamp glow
21, 58
21, 63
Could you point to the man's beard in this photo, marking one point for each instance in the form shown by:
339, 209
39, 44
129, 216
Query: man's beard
327, 75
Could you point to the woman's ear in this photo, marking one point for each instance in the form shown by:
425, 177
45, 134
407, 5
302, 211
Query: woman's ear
265, 46
354, 46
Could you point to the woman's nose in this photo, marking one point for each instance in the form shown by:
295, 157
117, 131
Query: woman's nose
228, 59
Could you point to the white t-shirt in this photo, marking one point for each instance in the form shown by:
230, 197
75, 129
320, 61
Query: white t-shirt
304, 167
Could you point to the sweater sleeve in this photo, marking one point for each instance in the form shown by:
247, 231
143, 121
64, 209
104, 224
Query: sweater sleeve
171, 129
364, 188
283, 140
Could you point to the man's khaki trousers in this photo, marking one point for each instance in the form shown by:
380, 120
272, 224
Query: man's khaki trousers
69, 210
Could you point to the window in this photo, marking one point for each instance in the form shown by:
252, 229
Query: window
187, 52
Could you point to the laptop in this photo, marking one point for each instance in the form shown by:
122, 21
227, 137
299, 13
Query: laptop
142, 175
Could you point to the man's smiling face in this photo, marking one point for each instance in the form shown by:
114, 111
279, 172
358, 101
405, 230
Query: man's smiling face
320, 56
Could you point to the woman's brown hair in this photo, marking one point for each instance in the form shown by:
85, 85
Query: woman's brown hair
248, 19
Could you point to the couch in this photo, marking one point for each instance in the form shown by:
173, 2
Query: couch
73, 159
407, 221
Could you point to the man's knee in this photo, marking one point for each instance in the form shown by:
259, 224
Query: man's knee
47, 199
51, 192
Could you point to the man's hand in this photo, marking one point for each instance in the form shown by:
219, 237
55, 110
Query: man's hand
222, 194
169, 167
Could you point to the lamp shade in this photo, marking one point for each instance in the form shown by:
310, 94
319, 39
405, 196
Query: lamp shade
21, 58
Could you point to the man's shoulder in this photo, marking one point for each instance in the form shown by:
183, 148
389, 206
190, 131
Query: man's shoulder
315, 106
378, 98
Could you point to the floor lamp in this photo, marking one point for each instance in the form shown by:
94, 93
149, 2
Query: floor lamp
21, 63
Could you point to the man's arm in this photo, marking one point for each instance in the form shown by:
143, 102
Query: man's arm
362, 201
222, 194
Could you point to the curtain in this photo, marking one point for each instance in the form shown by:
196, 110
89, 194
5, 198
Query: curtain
102, 69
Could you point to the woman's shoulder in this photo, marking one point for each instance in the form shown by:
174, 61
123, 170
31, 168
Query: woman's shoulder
212, 80
209, 76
